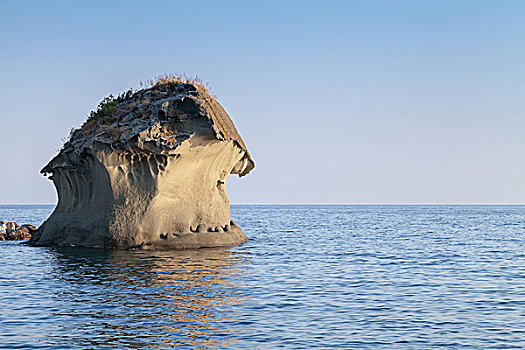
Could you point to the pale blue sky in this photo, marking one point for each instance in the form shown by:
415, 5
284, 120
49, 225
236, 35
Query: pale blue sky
338, 101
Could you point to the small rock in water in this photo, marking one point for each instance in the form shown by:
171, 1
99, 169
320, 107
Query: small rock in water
11, 231
11, 226
30, 227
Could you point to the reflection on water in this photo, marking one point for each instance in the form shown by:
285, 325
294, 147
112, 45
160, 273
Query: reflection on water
157, 299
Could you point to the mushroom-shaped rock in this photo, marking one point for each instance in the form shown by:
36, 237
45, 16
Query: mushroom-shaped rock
148, 169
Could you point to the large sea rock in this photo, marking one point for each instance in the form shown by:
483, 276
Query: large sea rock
149, 170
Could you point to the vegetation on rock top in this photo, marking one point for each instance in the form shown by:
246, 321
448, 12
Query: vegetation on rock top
107, 111
107, 107
104, 114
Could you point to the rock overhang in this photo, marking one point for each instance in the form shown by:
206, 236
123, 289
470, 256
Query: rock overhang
158, 120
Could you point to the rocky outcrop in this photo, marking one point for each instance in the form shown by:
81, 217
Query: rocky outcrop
11, 231
148, 169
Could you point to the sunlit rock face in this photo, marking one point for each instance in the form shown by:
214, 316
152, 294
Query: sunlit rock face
152, 174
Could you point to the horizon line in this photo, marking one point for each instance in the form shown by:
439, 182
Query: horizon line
321, 204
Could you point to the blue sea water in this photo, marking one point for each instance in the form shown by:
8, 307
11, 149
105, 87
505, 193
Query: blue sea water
328, 277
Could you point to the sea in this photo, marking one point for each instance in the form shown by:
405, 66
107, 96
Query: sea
310, 277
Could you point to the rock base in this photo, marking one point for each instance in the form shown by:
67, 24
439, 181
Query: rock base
193, 240
232, 235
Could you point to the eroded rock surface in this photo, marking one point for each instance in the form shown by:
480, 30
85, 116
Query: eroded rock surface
150, 174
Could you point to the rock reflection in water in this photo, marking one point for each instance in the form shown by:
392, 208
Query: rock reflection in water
160, 299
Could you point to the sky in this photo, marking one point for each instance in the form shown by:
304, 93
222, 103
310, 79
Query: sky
338, 102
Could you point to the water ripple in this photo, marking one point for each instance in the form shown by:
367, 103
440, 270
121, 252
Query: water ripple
354, 277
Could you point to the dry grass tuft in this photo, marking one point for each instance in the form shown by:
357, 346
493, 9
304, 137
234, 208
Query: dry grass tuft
174, 78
